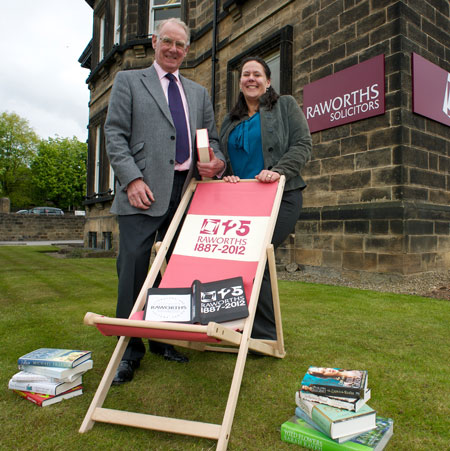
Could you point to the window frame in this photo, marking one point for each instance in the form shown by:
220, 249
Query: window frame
152, 8
97, 159
112, 179
281, 41
101, 37
117, 22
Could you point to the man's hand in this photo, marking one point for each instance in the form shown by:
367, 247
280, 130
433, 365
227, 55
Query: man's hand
139, 194
212, 168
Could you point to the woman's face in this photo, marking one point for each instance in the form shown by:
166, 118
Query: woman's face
253, 82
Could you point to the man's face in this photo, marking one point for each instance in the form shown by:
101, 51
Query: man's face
170, 47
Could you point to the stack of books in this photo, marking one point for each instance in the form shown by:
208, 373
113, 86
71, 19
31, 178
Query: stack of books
332, 413
50, 375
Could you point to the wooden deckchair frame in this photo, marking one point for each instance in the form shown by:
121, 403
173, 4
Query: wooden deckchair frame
229, 340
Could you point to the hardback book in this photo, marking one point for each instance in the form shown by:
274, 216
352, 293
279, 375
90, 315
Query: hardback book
219, 301
202, 140
64, 358
23, 376
304, 416
44, 387
337, 423
45, 400
353, 404
298, 431
54, 372
335, 382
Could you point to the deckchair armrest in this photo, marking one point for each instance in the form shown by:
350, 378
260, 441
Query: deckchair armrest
91, 319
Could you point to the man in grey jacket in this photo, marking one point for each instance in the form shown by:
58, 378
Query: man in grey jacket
143, 140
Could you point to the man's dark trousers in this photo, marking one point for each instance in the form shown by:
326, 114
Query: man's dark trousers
137, 236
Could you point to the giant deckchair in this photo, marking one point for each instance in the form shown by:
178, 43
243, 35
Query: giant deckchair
226, 232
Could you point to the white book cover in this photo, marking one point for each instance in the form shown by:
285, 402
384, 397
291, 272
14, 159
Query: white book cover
23, 376
43, 387
202, 145
58, 373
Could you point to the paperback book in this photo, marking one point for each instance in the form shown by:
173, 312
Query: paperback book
335, 382
43, 387
219, 301
63, 358
353, 404
298, 431
45, 400
338, 423
53, 372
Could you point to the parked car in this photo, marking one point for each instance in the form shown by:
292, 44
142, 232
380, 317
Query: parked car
49, 211
22, 212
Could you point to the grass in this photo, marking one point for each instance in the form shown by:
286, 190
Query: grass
403, 341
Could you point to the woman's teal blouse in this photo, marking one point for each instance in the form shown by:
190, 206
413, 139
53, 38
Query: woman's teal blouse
245, 148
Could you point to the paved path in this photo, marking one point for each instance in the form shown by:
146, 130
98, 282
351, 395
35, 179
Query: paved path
39, 243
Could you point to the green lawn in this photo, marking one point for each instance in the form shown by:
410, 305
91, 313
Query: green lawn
403, 341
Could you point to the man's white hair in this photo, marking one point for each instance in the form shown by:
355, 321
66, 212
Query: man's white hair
177, 21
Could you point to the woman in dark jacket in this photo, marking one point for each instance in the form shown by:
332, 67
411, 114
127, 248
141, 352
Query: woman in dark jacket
265, 136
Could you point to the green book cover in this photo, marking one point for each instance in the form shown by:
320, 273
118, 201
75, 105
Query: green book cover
297, 431
331, 418
339, 422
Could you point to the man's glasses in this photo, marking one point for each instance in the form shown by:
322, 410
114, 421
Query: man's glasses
167, 42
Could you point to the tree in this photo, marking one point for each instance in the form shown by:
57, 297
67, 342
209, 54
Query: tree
18, 144
59, 172
21, 194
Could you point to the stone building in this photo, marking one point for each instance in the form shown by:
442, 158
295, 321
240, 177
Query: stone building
378, 190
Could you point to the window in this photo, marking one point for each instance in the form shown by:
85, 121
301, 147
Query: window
276, 51
117, 22
101, 42
92, 240
273, 61
107, 241
111, 179
98, 152
161, 10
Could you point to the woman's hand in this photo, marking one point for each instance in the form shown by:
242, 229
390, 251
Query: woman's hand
267, 176
231, 179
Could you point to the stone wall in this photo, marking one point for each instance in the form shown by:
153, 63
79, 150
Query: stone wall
103, 225
393, 237
378, 191
395, 156
5, 205
14, 227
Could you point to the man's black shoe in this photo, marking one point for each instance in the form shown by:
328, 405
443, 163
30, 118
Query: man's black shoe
168, 352
125, 371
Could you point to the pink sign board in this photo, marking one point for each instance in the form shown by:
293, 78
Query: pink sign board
431, 90
347, 96
222, 234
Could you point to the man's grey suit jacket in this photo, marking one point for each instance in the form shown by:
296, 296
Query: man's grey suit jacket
141, 136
